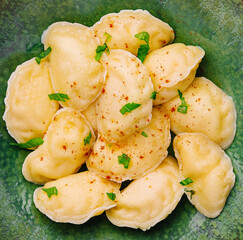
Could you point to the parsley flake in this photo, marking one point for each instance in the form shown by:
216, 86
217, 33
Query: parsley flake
153, 95
42, 55
30, 144
87, 139
124, 159
111, 196
144, 134
50, 191
100, 50
186, 181
129, 107
108, 37
183, 107
144, 48
58, 97
190, 191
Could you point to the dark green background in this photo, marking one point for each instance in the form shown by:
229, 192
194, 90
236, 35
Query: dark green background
215, 25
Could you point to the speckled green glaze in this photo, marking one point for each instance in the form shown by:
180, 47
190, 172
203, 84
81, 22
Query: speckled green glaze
214, 25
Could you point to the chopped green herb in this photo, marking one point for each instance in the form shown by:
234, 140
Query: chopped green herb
87, 139
58, 97
109, 145
144, 134
42, 55
142, 52
108, 38
111, 195
144, 48
100, 50
129, 107
124, 159
186, 181
31, 143
190, 191
183, 107
50, 191
143, 36
153, 95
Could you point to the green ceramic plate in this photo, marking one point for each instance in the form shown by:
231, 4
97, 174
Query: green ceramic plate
215, 25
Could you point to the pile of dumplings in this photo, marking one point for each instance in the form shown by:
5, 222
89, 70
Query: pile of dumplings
121, 146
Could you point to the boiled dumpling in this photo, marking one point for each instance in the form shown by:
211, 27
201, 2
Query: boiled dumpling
210, 169
66, 147
210, 111
172, 67
145, 148
29, 110
150, 199
74, 70
91, 115
123, 27
79, 197
128, 82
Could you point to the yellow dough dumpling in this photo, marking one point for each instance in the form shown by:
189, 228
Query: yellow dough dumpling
74, 70
210, 111
150, 199
77, 197
123, 27
172, 67
210, 169
66, 147
29, 110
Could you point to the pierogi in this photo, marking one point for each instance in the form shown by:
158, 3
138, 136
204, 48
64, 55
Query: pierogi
172, 67
127, 82
145, 153
80, 197
123, 27
28, 109
150, 199
64, 149
210, 169
74, 70
210, 111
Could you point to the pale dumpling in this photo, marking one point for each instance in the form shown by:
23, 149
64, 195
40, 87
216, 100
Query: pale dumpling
145, 148
210, 111
128, 82
66, 147
172, 67
210, 169
74, 70
150, 199
91, 115
28, 109
123, 27
79, 197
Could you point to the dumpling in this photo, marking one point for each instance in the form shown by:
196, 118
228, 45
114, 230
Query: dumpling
28, 109
123, 27
91, 115
210, 111
150, 199
172, 67
66, 147
74, 70
128, 82
146, 149
209, 168
79, 197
